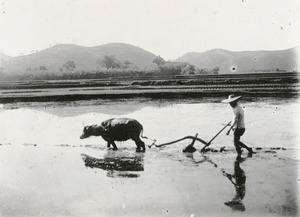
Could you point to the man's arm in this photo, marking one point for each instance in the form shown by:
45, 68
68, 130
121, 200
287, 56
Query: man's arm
236, 118
228, 132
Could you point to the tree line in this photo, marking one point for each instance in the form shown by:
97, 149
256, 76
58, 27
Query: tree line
109, 67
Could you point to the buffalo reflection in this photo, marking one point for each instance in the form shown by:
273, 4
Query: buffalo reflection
238, 179
116, 166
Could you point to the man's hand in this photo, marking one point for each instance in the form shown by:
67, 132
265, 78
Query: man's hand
226, 174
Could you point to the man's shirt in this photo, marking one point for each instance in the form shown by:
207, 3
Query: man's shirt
238, 121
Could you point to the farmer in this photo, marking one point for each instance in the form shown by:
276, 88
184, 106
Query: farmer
238, 125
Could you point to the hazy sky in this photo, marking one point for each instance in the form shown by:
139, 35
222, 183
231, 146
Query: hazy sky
169, 28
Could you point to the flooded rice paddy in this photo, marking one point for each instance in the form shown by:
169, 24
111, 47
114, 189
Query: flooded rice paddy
47, 170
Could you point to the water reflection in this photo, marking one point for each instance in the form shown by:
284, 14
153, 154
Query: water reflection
116, 166
238, 179
204, 159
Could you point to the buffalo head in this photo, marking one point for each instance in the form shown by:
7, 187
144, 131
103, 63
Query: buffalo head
93, 130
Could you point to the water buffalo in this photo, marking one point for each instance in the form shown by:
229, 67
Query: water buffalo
117, 129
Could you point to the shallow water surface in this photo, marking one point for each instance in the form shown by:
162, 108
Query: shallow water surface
267, 124
46, 169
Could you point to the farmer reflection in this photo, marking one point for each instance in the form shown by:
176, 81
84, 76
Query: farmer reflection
238, 179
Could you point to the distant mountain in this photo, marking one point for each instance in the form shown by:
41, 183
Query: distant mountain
3, 58
85, 58
244, 61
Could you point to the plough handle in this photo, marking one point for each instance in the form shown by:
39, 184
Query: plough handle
215, 136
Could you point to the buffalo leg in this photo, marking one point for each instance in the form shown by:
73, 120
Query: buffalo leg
140, 144
114, 145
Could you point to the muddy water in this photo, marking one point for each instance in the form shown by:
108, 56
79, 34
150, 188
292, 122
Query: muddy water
47, 170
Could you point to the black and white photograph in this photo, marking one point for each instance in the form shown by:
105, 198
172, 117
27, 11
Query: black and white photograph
148, 108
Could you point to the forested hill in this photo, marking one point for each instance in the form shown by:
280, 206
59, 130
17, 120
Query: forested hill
74, 58
3, 58
244, 61
84, 58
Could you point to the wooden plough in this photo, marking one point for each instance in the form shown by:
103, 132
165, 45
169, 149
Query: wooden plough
190, 147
